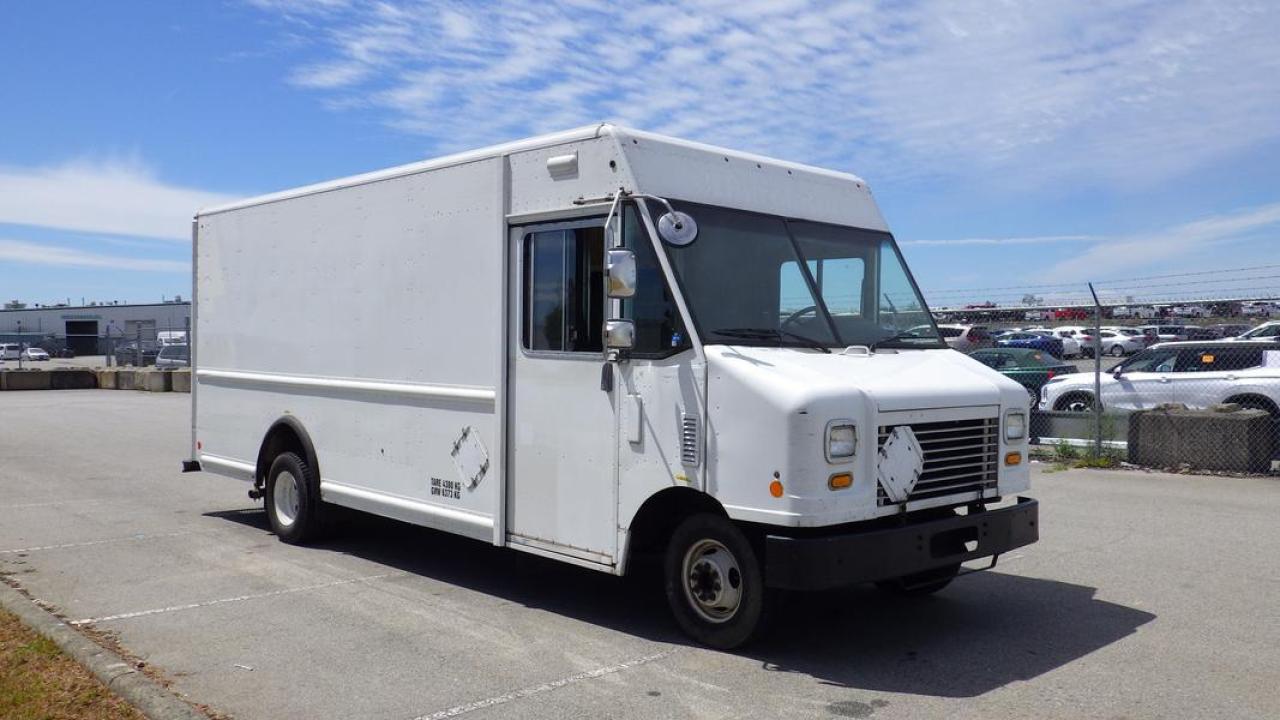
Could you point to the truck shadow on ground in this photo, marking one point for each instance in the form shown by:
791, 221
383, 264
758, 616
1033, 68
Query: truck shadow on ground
985, 631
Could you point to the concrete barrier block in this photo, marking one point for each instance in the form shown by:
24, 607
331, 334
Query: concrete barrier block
107, 378
71, 379
152, 380
126, 379
181, 380
1240, 441
24, 380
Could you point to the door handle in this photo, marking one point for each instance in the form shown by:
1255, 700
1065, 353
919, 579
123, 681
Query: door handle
1231, 377
1164, 379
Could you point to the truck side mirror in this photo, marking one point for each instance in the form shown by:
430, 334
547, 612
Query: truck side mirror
621, 273
619, 334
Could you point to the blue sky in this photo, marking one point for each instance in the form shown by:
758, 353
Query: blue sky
1013, 147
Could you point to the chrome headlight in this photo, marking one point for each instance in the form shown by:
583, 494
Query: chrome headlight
842, 439
1015, 425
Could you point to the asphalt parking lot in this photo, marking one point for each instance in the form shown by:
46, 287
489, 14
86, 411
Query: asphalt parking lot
1149, 596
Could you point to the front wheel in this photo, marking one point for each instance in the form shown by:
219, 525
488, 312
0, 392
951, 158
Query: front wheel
714, 582
1117, 351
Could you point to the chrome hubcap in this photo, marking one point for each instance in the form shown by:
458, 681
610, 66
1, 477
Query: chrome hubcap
285, 498
713, 581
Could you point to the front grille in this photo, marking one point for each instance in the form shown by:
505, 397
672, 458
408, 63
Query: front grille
960, 456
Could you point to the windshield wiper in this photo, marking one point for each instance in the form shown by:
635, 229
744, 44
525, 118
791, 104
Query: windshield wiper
770, 334
899, 336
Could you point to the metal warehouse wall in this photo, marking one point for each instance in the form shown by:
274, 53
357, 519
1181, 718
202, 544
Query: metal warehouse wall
115, 321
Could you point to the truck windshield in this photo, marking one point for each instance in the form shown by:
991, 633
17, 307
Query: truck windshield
753, 279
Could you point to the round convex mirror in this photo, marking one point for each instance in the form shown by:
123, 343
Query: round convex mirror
677, 228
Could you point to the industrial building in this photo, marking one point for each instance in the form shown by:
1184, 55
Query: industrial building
91, 329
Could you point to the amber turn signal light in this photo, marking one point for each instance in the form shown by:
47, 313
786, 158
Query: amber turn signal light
775, 488
839, 481
1013, 458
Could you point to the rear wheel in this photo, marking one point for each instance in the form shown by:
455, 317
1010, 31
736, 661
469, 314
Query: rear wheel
1074, 402
714, 582
293, 500
1257, 403
1117, 351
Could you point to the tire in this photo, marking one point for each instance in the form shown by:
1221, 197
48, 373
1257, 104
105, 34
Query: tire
292, 498
714, 583
1074, 402
1257, 403
1117, 351
920, 584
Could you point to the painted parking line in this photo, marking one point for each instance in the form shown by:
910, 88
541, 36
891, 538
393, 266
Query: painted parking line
51, 503
237, 598
91, 543
544, 687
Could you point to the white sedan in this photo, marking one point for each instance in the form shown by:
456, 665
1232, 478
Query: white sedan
1195, 374
34, 354
1112, 342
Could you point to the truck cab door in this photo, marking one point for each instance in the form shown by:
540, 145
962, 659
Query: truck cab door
561, 426
660, 386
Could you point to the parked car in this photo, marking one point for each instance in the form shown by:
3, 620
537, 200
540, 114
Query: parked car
173, 356
1265, 331
1231, 330
1142, 312
1166, 333
1196, 374
965, 338
128, 354
10, 351
1031, 368
1033, 341
1070, 346
1039, 315
1260, 308
1191, 311
1147, 339
1070, 314
1111, 343
35, 354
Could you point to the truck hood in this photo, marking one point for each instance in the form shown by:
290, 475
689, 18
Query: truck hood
892, 379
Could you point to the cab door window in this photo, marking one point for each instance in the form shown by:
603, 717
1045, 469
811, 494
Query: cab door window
563, 293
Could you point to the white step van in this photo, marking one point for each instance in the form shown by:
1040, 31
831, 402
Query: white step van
602, 345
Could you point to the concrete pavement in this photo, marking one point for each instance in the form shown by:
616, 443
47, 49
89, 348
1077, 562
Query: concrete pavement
1149, 596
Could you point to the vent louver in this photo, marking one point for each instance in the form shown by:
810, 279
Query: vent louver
689, 454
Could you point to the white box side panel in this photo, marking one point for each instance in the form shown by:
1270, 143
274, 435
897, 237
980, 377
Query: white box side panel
368, 313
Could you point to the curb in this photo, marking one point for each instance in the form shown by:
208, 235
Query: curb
145, 694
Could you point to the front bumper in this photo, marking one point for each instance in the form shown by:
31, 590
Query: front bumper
819, 563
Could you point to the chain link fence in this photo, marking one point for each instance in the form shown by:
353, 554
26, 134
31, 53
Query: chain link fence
1170, 379
138, 345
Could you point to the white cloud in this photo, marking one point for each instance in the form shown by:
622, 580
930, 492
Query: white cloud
18, 251
1123, 92
329, 75
109, 198
1038, 240
1206, 237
